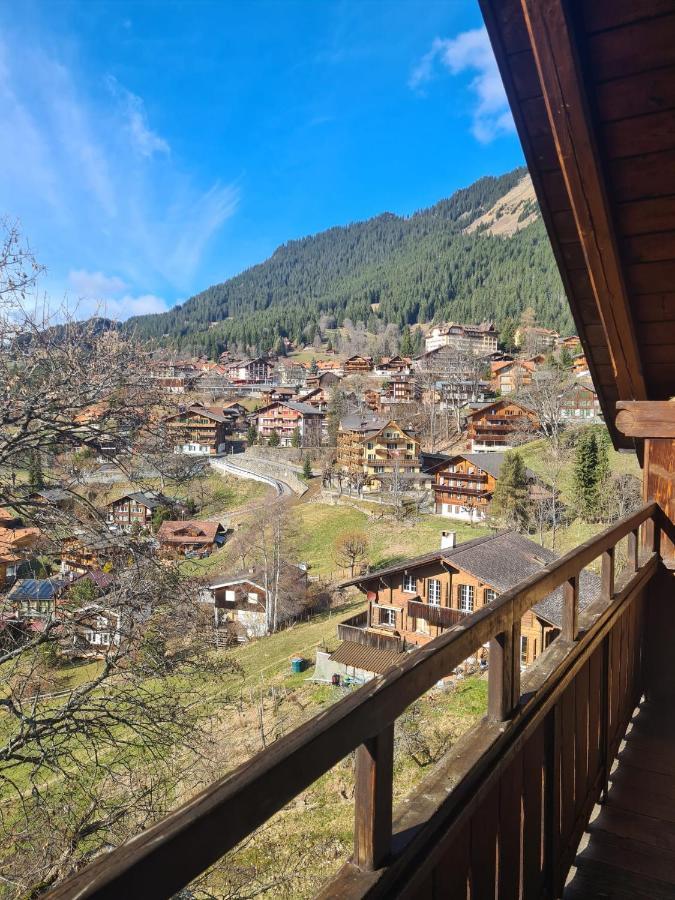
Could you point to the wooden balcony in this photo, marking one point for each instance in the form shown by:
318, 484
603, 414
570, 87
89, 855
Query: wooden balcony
355, 629
442, 616
524, 781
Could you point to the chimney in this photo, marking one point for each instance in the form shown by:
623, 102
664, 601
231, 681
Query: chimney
448, 540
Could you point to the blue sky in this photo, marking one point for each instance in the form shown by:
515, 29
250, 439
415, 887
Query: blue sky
153, 148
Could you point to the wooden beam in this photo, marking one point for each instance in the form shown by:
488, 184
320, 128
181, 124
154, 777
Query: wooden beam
646, 419
373, 800
561, 81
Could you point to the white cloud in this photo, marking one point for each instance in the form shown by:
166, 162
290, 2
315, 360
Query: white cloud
97, 188
470, 51
144, 139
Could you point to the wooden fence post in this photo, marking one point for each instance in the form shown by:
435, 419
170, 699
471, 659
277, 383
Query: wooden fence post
570, 622
607, 574
633, 545
373, 800
504, 673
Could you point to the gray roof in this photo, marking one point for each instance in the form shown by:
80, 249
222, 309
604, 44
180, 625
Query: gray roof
502, 561
54, 495
151, 500
36, 588
305, 409
365, 423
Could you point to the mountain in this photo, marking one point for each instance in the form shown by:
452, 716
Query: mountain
481, 254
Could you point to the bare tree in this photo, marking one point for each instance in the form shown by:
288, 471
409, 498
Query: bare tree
349, 548
546, 396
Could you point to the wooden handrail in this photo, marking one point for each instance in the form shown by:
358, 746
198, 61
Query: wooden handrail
167, 856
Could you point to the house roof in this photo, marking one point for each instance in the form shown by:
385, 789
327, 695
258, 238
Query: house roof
36, 588
145, 498
364, 423
53, 495
305, 409
503, 401
190, 531
370, 659
488, 462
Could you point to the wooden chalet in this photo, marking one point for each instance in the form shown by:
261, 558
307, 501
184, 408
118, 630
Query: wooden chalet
464, 484
134, 509
580, 403
193, 537
17, 546
199, 430
376, 449
284, 417
420, 598
509, 376
358, 365
566, 788
500, 425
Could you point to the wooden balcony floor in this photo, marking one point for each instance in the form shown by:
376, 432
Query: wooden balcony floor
628, 850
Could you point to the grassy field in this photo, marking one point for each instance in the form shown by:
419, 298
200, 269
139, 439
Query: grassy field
319, 524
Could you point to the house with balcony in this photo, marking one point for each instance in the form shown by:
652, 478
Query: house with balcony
358, 365
400, 388
18, 545
415, 601
478, 339
500, 425
375, 450
285, 416
580, 403
564, 789
464, 484
199, 430
509, 376
134, 509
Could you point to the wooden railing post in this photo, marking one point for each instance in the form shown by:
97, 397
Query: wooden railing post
607, 574
633, 545
570, 621
504, 673
373, 800
605, 700
652, 536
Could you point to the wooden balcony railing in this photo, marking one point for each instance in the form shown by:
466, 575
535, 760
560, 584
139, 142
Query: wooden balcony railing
355, 630
442, 616
524, 781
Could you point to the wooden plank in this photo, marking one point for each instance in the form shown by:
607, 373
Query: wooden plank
373, 800
567, 773
648, 248
524, 75
646, 419
650, 133
593, 879
533, 808
646, 829
581, 741
510, 830
594, 720
635, 95
483, 872
552, 803
570, 622
563, 90
451, 876
652, 277
603, 16
504, 673
630, 856
623, 51
650, 176
646, 216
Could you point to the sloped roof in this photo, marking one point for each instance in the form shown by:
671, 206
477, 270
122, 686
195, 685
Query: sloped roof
188, 531
488, 462
370, 659
36, 588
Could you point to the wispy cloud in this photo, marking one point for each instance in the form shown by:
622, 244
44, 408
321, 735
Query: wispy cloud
98, 188
470, 51
107, 295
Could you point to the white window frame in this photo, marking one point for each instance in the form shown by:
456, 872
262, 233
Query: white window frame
523, 649
489, 595
252, 597
409, 584
387, 616
434, 591
465, 597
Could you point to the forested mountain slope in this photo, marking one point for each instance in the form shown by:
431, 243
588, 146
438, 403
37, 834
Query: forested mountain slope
428, 266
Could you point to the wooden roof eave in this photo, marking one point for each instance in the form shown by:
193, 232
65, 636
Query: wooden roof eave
538, 34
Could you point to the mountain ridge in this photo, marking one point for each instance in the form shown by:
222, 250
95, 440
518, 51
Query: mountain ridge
480, 253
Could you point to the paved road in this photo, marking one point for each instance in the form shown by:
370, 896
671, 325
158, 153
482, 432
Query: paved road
225, 464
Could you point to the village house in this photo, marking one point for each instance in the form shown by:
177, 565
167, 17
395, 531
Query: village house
173, 377
414, 601
283, 417
190, 538
508, 377
580, 403
97, 630
252, 371
358, 365
393, 365
35, 597
83, 551
277, 392
500, 425
377, 451
317, 397
535, 338
198, 430
464, 484
322, 380
478, 339
240, 602
400, 388
135, 509
17, 546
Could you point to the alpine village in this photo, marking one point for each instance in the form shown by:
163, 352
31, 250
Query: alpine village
351, 576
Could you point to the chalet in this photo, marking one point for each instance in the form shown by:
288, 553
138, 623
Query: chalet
510, 377
393, 365
400, 389
500, 425
252, 371
580, 403
56, 497
464, 484
323, 380
317, 397
358, 365
534, 338
134, 509
240, 601
17, 546
198, 430
173, 377
35, 597
283, 417
97, 630
571, 343
478, 339
417, 600
277, 392
565, 788
82, 551
376, 449
580, 365
191, 538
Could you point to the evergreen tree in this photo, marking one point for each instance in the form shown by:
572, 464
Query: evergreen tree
565, 360
586, 476
314, 367
251, 435
295, 438
35, 476
274, 440
406, 342
510, 499
307, 468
